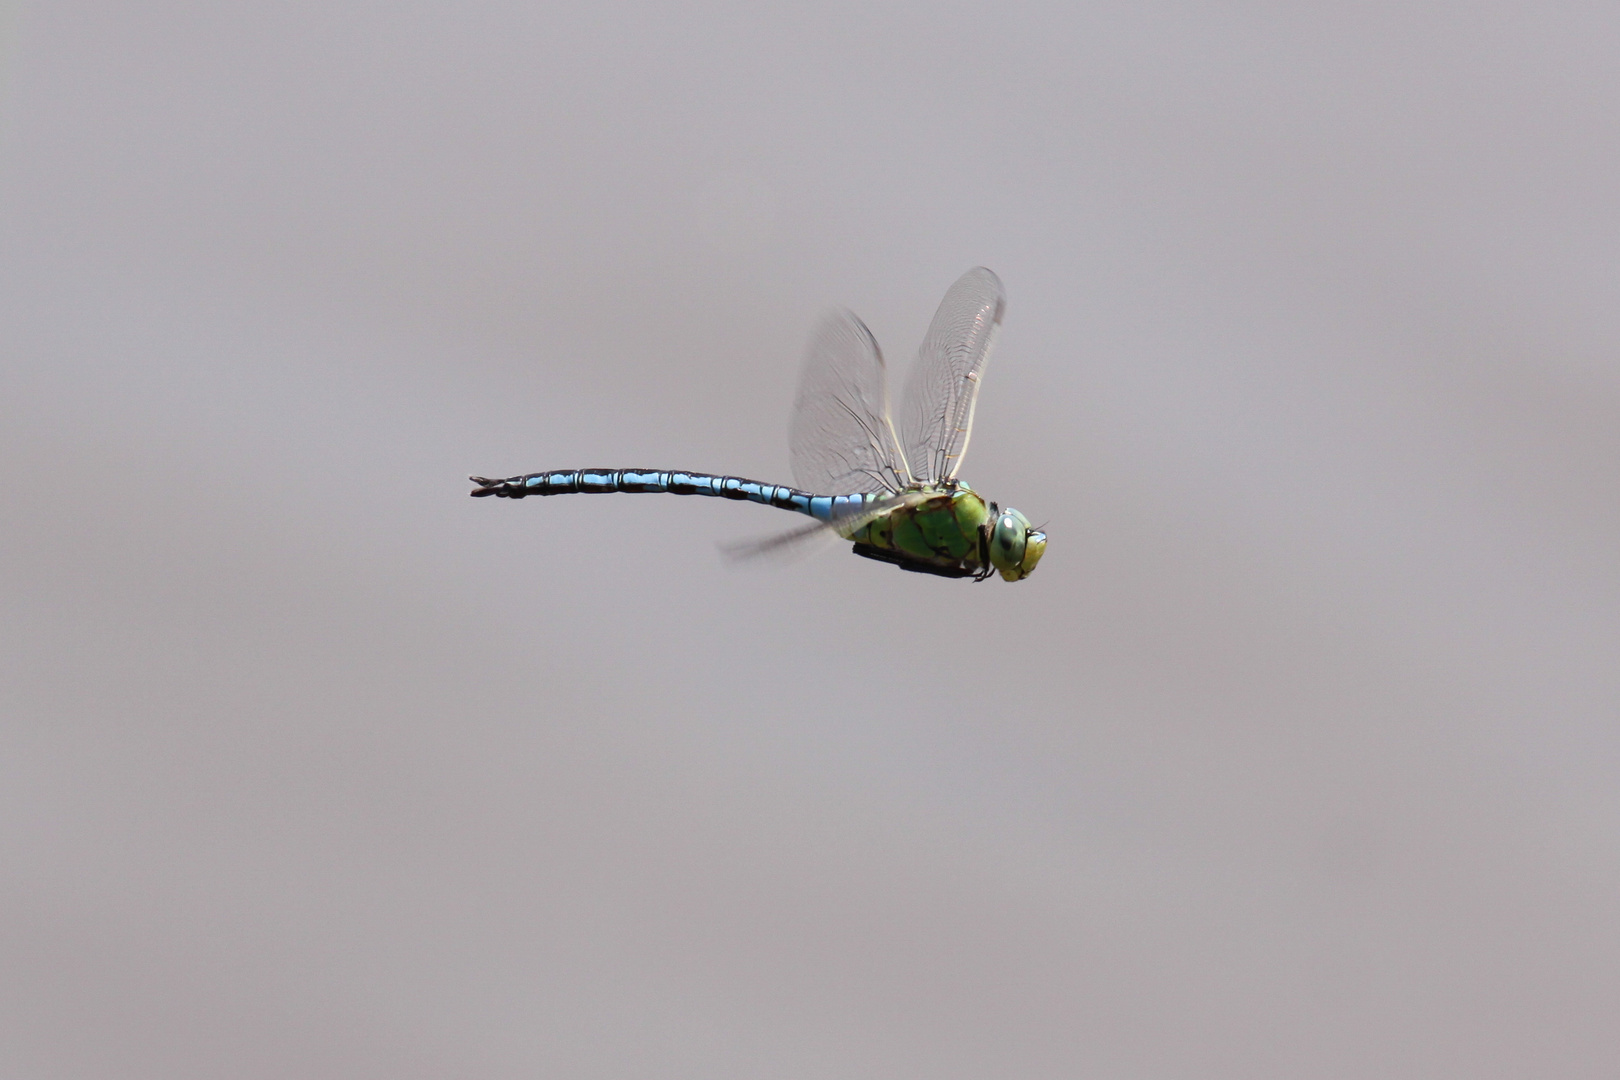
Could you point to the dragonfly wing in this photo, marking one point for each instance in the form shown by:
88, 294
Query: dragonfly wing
842, 440
937, 416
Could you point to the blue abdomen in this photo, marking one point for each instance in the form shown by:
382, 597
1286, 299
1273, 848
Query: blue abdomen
639, 481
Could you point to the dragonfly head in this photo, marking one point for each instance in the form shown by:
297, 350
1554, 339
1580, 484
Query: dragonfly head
1015, 548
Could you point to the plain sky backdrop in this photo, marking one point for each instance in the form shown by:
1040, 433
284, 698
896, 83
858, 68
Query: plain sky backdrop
1296, 758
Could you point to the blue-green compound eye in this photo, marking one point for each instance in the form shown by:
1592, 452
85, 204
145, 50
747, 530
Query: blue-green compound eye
1011, 550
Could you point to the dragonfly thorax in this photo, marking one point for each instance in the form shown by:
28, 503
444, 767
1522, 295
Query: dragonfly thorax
949, 529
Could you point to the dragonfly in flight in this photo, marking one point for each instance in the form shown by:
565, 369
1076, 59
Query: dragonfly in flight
892, 491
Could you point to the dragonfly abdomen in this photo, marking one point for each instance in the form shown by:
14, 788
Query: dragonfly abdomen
642, 481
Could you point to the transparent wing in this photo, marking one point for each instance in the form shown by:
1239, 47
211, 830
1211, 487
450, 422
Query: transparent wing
842, 440
937, 416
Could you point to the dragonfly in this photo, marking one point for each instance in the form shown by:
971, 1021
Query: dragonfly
891, 491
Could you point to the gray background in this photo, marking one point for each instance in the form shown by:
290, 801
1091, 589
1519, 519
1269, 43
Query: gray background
1296, 758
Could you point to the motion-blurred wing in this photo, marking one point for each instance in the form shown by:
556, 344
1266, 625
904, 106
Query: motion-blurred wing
841, 439
937, 416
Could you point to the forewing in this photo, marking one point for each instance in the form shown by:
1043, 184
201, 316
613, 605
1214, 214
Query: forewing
943, 389
842, 440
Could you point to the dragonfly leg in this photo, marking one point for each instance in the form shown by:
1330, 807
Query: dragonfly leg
867, 551
986, 530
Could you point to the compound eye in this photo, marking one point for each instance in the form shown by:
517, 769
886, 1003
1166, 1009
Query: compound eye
1007, 543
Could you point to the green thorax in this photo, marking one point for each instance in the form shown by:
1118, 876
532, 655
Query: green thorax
942, 531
